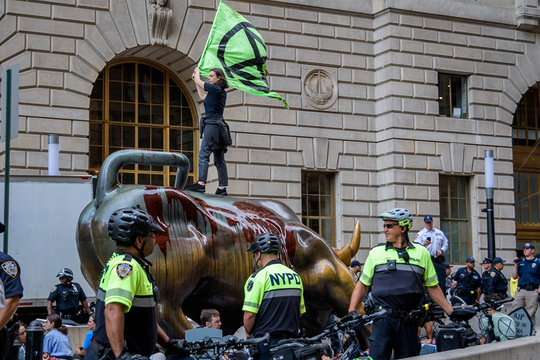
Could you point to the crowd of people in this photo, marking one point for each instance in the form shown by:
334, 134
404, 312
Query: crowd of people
399, 273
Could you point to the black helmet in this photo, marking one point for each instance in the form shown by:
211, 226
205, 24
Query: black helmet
65, 272
265, 243
128, 223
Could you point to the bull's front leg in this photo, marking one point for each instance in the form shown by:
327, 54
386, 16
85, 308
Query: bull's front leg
173, 321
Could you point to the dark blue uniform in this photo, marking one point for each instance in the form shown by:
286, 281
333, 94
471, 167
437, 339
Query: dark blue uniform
67, 298
497, 286
468, 284
529, 274
10, 286
485, 281
10, 279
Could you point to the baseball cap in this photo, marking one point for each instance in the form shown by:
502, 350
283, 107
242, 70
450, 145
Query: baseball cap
487, 261
428, 218
447, 266
498, 260
356, 263
528, 246
470, 259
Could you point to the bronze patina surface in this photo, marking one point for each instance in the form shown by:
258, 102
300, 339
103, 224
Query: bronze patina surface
201, 261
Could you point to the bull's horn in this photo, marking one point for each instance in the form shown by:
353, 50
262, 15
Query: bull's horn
349, 251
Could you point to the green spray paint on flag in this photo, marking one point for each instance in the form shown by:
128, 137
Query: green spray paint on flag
238, 48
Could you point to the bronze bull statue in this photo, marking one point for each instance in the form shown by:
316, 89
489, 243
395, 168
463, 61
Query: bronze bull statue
201, 261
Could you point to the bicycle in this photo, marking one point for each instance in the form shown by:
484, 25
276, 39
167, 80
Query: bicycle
459, 334
230, 347
313, 349
489, 331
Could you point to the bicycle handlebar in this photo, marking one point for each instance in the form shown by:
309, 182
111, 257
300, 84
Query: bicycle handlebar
347, 322
231, 342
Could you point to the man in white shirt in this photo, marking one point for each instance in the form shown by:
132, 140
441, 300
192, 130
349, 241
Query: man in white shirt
433, 239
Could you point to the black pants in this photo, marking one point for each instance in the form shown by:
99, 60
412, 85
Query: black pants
91, 354
390, 333
264, 349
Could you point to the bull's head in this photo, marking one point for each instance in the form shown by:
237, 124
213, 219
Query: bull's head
201, 261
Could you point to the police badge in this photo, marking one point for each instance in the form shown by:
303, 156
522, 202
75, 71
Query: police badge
10, 268
123, 270
250, 285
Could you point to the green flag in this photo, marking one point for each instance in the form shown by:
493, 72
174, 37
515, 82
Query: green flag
236, 46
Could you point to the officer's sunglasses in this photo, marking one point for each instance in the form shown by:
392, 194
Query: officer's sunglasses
388, 226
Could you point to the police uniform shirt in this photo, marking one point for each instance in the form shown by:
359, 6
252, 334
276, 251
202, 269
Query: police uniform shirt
67, 297
497, 283
468, 281
125, 282
438, 240
400, 288
276, 294
484, 281
529, 272
10, 279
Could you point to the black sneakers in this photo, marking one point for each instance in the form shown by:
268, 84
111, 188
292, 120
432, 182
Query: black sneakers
197, 187
202, 188
221, 191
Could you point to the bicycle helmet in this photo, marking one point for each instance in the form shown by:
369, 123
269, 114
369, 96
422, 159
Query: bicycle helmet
65, 272
128, 223
402, 216
265, 243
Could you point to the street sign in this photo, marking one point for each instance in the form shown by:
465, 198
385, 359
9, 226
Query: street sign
10, 102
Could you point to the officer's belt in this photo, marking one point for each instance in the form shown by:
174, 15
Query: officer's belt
401, 267
528, 287
400, 314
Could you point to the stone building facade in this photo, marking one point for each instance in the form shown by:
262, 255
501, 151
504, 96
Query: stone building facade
362, 81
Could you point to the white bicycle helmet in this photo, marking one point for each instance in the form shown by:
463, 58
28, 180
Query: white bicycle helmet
402, 216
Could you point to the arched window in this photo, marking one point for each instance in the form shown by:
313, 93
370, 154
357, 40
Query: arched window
139, 105
526, 141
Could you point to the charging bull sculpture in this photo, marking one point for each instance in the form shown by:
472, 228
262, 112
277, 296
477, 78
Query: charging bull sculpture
202, 260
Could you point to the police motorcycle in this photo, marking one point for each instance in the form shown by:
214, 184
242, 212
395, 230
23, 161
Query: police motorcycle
458, 333
314, 349
229, 347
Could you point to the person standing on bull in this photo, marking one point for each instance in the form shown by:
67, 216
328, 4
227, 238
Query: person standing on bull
399, 271
126, 322
213, 129
273, 296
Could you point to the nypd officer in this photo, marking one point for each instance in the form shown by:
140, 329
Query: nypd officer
126, 322
487, 265
10, 296
528, 272
497, 285
468, 281
274, 295
398, 270
67, 295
